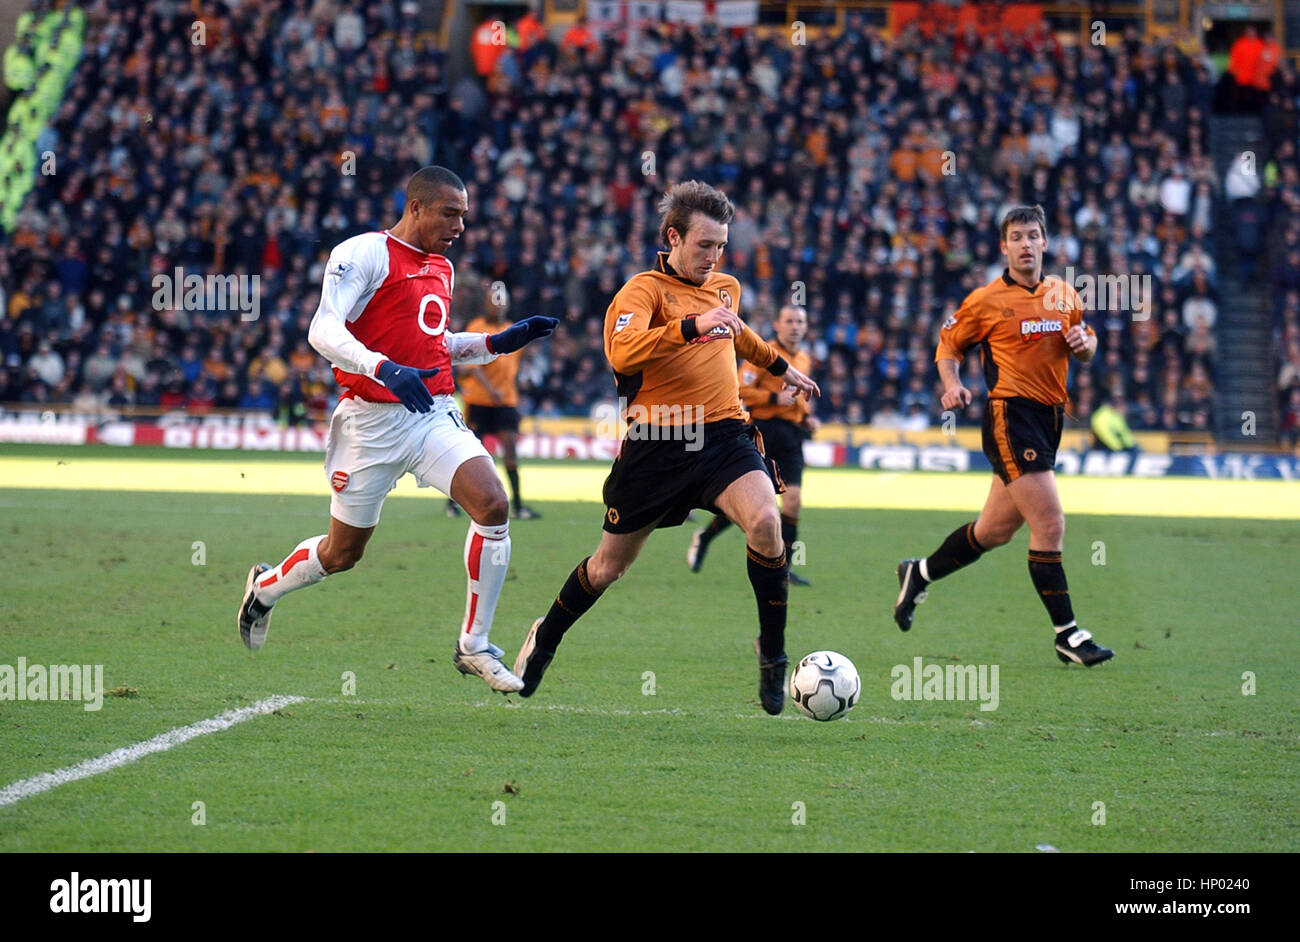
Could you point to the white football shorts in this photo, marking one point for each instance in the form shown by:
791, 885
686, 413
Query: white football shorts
372, 444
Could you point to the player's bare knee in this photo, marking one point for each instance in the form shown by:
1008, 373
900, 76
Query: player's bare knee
602, 573
764, 533
493, 510
999, 536
1049, 532
994, 535
343, 564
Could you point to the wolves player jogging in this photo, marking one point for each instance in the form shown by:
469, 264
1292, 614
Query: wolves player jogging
672, 335
1027, 327
382, 325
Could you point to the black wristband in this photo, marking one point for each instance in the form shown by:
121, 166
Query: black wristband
689, 330
771, 399
779, 367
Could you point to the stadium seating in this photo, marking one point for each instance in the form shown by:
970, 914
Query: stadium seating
868, 176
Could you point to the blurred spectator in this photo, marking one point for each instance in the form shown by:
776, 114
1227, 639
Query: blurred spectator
1176, 192
1199, 307
490, 42
1110, 428
1289, 375
47, 364
1243, 67
1242, 179
1248, 221
1291, 417
1266, 63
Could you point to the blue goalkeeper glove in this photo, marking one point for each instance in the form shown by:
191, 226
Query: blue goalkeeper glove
407, 384
525, 332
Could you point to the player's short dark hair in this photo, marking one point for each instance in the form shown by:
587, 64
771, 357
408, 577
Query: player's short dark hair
683, 200
426, 182
1022, 215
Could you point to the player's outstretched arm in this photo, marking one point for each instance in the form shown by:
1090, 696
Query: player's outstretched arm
521, 334
467, 349
801, 383
756, 350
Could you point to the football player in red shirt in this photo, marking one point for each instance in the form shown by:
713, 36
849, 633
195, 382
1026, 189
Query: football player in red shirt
382, 324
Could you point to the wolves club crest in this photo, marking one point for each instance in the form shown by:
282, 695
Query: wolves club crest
725, 295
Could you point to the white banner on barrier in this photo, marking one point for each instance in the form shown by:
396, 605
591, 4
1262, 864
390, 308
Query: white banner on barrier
736, 13
689, 12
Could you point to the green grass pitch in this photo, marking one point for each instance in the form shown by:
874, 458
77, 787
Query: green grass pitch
419, 758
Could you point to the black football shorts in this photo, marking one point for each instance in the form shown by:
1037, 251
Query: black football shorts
1021, 435
489, 420
661, 481
783, 443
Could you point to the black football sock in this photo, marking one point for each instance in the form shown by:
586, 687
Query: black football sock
1049, 579
959, 549
789, 533
716, 526
770, 579
513, 475
574, 600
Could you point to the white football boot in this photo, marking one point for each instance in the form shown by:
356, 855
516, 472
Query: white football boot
254, 618
489, 666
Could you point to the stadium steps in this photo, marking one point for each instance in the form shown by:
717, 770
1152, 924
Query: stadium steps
1246, 367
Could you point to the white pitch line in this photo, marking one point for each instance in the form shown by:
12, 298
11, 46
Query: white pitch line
28, 787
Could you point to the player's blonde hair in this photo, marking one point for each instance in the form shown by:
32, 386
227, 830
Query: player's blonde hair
683, 200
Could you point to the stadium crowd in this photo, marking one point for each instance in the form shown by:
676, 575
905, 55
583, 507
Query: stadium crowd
1281, 228
868, 176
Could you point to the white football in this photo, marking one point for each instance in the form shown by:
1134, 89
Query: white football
825, 685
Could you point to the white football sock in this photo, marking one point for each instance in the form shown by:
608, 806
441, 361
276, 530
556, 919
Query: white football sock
300, 569
487, 557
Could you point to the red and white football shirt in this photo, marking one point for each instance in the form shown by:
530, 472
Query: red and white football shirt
384, 299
